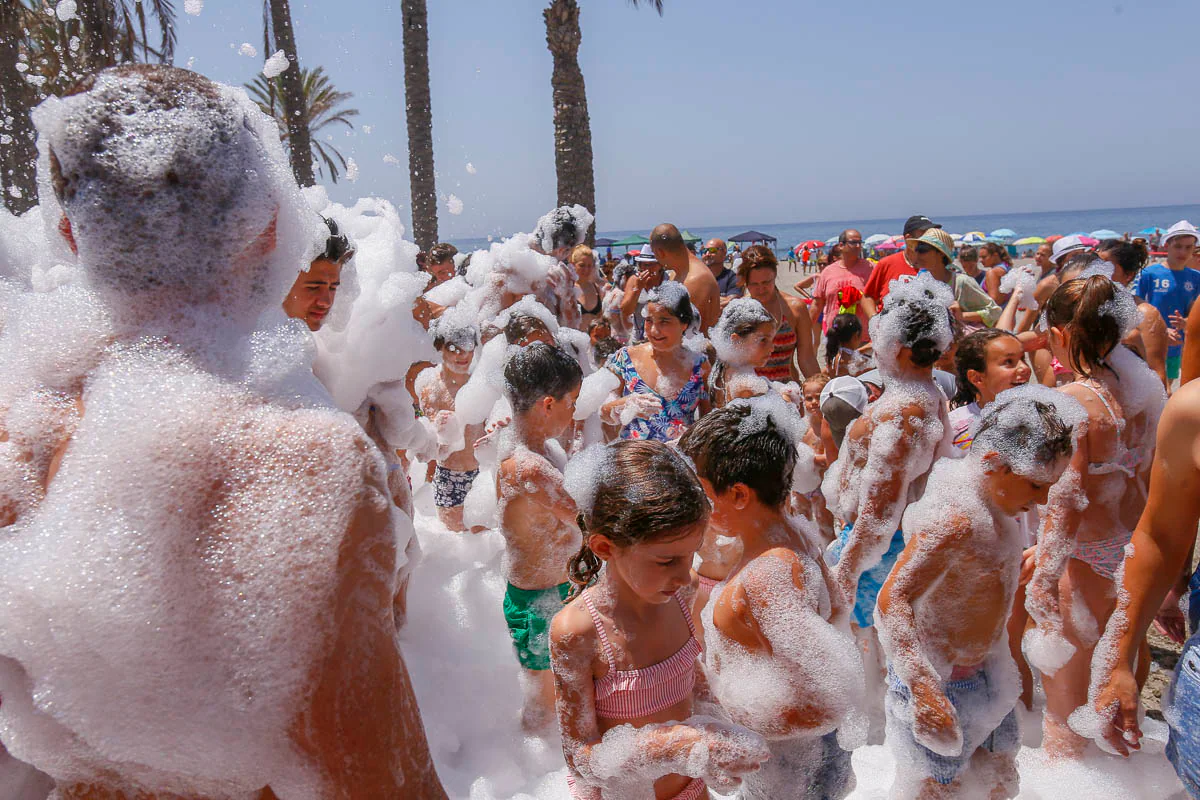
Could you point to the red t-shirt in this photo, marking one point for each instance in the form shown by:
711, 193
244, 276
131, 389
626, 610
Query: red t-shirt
886, 271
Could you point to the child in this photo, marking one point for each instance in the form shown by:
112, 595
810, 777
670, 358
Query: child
842, 343
776, 624
743, 338
537, 516
952, 686
456, 467
624, 650
987, 362
813, 505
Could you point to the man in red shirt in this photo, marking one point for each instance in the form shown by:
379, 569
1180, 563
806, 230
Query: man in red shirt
897, 265
852, 270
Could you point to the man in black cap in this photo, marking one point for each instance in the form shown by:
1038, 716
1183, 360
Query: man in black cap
900, 265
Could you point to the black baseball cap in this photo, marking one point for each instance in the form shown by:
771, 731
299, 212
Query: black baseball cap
918, 223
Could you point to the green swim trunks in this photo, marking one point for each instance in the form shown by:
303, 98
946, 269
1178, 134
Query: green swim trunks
528, 613
1174, 366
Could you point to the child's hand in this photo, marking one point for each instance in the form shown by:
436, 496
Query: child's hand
1117, 704
730, 751
1028, 564
489, 433
641, 406
935, 722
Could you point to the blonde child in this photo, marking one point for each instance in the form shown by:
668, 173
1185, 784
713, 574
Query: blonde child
537, 516
624, 651
952, 686
777, 623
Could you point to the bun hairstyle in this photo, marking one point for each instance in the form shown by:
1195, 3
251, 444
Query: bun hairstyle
1130, 257
1087, 307
646, 491
755, 257
972, 355
843, 328
998, 251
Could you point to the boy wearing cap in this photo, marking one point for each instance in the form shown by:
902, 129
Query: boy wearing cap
898, 265
934, 252
1174, 286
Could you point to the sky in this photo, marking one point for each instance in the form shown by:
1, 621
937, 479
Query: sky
763, 111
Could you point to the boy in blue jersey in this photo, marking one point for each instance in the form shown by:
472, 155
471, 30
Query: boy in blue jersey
1173, 287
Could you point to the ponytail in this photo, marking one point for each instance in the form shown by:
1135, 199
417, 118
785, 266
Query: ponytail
1090, 309
583, 567
843, 328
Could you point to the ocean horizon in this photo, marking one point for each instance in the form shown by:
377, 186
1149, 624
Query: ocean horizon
1038, 223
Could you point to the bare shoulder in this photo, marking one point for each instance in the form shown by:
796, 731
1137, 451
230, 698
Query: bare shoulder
572, 629
794, 304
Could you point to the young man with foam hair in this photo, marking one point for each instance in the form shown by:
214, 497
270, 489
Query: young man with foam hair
228, 533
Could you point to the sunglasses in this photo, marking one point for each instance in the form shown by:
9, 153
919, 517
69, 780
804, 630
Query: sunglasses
853, 243
711, 250
924, 248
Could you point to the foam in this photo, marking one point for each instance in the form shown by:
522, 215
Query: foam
906, 298
565, 226
1023, 278
275, 65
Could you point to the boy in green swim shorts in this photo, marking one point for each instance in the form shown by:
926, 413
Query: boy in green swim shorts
537, 516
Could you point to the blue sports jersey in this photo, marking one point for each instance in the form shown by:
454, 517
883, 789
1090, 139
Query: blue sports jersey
1169, 291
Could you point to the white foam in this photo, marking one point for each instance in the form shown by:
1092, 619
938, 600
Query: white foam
276, 64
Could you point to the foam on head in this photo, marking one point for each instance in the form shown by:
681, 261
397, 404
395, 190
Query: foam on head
917, 309
177, 193
565, 226
455, 327
741, 313
1031, 427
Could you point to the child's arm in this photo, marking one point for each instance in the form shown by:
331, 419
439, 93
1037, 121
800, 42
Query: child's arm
883, 499
926, 559
627, 758
1046, 647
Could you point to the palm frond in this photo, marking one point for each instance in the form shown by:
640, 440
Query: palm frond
657, 5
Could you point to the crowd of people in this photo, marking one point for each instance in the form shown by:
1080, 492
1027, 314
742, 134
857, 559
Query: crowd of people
745, 531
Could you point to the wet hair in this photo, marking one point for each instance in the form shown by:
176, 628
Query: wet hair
1077, 262
972, 355
521, 325
446, 332
559, 228
681, 309
537, 371
647, 492
667, 237
724, 455
968, 253
462, 268
1130, 257
997, 250
598, 322
843, 328
918, 337
579, 251
755, 257
1045, 441
337, 246
440, 253
606, 347
621, 273
1079, 306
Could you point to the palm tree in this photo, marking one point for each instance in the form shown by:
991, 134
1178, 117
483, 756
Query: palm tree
41, 55
572, 125
417, 109
321, 103
279, 35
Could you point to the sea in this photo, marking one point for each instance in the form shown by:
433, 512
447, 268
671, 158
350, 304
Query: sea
1041, 223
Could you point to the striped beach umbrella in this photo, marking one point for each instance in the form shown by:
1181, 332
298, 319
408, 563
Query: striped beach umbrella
974, 237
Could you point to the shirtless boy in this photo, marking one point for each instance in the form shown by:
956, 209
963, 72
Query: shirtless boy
537, 516
436, 389
952, 683
671, 251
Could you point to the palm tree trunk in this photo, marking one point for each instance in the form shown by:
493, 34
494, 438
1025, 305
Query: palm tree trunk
97, 25
417, 109
292, 94
572, 125
18, 152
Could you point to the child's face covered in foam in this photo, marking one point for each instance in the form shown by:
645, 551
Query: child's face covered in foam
1014, 493
656, 569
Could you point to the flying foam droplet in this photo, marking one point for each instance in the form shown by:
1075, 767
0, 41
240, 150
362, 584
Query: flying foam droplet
248, 49
471, 168
276, 64
388, 158
193, 7
454, 205
65, 10
351, 170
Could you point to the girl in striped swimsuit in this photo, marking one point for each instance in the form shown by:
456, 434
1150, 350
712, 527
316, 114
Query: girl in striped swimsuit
624, 650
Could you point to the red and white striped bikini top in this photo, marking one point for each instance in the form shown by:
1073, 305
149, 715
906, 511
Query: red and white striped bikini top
633, 693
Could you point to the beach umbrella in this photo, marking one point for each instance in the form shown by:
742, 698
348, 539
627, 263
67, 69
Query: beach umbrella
1104, 233
602, 242
1030, 240
956, 237
876, 238
1054, 238
1003, 233
812, 244
831, 241
1089, 241
974, 237
1150, 231
890, 244
630, 241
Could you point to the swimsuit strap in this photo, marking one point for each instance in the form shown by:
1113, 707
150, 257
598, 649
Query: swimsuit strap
687, 614
1107, 407
608, 654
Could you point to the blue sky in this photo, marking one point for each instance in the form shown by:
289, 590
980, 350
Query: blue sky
762, 111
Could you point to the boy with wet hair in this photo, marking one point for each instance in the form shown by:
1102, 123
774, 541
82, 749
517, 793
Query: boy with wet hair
944, 610
456, 467
537, 516
776, 622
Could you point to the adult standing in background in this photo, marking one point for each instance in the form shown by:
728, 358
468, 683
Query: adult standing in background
842, 284
793, 353
1173, 287
897, 265
669, 248
713, 256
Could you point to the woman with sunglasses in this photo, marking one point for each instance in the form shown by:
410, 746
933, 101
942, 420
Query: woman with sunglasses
312, 295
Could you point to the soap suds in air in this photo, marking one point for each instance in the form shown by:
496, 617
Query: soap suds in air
277, 63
